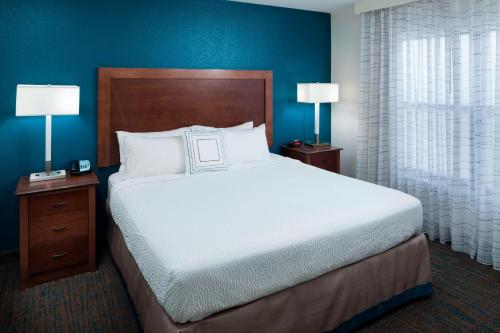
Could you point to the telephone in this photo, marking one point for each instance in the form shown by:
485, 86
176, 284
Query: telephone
79, 167
294, 143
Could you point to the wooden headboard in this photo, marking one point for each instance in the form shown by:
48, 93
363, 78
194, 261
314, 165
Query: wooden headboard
149, 100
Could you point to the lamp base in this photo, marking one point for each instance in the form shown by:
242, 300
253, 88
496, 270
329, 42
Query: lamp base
317, 145
41, 176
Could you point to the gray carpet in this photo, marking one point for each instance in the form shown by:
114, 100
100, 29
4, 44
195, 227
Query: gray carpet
466, 299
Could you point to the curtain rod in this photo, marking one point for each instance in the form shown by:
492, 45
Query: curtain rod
363, 6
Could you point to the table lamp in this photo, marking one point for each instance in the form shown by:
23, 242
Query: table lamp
317, 93
48, 101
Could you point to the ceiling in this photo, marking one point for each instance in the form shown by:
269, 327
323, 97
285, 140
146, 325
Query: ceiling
326, 6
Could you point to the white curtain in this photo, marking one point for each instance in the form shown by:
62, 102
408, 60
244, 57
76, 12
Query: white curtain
430, 115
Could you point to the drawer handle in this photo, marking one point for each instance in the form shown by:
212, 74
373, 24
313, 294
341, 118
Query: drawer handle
59, 228
59, 255
59, 204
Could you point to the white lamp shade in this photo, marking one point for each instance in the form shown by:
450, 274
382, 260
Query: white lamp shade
47, 100
317, 92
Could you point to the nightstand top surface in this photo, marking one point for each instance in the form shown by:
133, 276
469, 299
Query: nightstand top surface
311, 150
25, 187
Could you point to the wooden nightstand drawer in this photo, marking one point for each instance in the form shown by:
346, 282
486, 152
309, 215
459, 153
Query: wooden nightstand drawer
62, 254
59, 203
55, 228
325, 157
296, 155
327, 160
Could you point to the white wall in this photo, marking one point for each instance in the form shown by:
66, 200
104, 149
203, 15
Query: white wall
345, 27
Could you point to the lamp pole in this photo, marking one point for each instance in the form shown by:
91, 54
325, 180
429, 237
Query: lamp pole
316, 122
48, 144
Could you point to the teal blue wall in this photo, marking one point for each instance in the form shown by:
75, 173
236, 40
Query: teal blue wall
65, 41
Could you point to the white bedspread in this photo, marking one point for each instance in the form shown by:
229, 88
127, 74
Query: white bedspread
212, 241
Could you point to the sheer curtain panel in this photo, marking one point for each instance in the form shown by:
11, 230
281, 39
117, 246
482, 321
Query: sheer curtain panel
430, 115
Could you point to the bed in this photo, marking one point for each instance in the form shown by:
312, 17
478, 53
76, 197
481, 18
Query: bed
249, 249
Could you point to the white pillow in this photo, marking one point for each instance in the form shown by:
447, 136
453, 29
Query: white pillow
200, 128
246, 145
122, 135
204, 152
150, 156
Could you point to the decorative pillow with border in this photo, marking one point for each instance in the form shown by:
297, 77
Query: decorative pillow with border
204, 152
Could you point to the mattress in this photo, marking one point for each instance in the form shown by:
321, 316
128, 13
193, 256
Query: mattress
213, 241
339, 301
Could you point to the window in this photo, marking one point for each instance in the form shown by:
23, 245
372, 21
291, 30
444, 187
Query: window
436, 98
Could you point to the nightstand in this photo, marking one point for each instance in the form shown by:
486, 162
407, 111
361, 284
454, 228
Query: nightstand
56, 228
327, 158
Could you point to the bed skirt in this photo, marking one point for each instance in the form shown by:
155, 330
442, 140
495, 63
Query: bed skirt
338, 301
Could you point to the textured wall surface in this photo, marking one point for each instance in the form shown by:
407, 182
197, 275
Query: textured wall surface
64, 42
